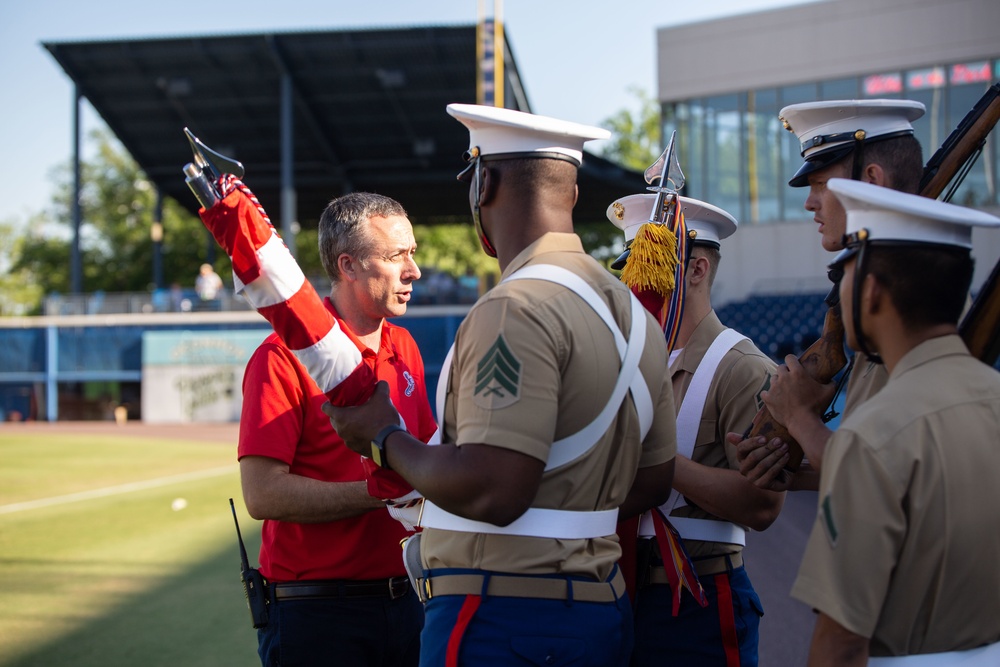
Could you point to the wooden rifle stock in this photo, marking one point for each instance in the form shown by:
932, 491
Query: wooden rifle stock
822, 361
824, 358
980, 326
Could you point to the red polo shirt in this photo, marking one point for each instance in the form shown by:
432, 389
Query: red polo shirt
282, 420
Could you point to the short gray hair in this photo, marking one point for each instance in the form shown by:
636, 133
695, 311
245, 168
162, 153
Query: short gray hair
343, 227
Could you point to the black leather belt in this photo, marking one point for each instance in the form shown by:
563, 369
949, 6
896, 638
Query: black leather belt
393, 588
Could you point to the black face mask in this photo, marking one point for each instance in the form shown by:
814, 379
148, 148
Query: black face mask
475, 193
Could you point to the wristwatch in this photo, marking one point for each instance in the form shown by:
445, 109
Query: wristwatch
378, 445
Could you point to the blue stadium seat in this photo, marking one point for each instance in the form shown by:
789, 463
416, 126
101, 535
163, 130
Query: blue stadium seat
778, 324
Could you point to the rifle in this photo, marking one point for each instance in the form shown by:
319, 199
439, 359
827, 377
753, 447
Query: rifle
949, 165
979, 326
822, 361
962, 147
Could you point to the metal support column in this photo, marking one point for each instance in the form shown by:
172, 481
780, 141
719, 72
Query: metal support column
75, 259
156, 236
51, 372
288, 203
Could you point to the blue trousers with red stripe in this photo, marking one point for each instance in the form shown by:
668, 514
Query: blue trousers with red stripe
486, 631
723, 634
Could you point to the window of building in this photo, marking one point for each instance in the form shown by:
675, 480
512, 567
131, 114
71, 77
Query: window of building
676, 118
736, 154
763, 163
668, 123
888, 85
928, 86
724, 154
839, 89
977, 72
921, 79
968, 82
691, 153
791, 154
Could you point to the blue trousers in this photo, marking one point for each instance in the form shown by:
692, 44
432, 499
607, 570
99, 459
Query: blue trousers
723, 634
521, 631
350, 631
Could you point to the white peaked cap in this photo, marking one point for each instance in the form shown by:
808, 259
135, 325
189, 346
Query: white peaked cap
889, 215
494, 131
828, 131
710, 223
813, 121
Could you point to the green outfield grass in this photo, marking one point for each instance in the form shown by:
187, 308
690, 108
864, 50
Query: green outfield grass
128, 578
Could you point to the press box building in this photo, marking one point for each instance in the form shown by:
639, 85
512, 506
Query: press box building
721, 84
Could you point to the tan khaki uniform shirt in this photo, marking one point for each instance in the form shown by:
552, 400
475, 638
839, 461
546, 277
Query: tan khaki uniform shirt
733, 401
906, 544
866, 379
534, 363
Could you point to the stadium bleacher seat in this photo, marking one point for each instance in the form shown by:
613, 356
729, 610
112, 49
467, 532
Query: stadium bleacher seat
777, 324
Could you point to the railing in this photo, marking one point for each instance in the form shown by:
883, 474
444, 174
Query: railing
425, 293
44, 361
139, 303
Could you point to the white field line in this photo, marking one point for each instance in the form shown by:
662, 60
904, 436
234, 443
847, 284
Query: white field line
116, 490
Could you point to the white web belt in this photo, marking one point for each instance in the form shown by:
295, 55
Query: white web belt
984, 656
535, 522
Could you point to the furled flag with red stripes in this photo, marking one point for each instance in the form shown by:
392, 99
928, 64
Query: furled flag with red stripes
653, 267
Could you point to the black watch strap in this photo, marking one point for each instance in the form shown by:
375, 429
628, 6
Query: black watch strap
378, 445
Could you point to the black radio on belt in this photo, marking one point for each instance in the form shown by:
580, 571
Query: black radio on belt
253, 581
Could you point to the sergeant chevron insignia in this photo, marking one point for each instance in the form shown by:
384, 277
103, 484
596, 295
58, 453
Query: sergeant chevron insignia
498, 377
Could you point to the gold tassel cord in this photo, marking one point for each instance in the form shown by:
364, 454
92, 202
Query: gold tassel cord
652, 262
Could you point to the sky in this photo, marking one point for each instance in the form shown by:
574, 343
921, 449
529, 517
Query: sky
578, 58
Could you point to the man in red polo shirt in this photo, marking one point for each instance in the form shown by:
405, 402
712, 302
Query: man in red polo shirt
330, 551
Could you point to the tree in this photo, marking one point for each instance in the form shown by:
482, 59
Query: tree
117, 203
19, 294
307, 255
635, 141
453, 248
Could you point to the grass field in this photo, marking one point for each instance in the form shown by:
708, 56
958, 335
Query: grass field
100, 566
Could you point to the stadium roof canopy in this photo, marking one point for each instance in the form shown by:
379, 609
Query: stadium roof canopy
367, 110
